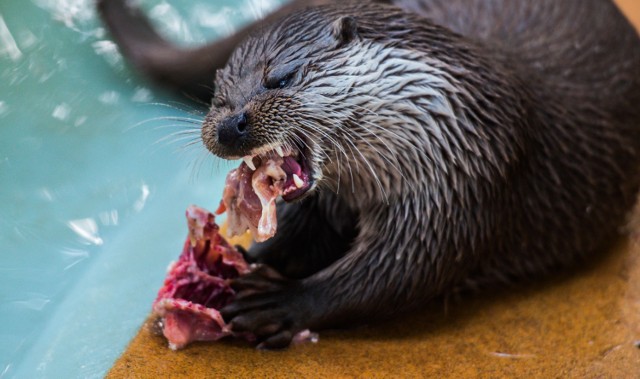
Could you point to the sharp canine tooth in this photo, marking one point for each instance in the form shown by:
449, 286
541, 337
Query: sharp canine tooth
249, 161
297, 181
279, 151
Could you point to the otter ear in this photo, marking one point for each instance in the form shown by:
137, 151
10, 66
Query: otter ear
344, 30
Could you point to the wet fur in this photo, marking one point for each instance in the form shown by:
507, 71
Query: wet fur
496, 140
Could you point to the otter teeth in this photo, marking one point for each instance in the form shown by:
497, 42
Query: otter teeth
278, 150
297, 181
249, 162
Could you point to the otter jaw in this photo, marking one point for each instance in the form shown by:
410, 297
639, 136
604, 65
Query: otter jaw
299, 177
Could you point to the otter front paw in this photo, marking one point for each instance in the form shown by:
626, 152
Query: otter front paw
268, 305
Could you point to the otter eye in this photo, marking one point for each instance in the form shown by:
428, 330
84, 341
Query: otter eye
278, 82
218, 102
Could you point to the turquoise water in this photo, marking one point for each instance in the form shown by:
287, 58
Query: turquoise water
93, 181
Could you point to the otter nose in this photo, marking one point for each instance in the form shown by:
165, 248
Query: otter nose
232, 129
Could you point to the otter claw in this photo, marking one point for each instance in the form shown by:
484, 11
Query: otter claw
276, 341
264, 307
262, 278
245, 254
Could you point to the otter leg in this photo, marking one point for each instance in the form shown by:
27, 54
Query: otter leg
311, 235
188, 70
387, 269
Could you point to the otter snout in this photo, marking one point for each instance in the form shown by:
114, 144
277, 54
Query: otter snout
228, 134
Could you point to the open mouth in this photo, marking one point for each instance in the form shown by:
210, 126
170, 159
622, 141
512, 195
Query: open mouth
281, 167
251, 189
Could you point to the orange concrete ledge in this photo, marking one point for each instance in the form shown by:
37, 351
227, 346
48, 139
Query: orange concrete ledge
583, 324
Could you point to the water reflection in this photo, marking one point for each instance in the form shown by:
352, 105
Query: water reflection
8, 47
34, 302
74, 256
139, 204
77, 15
87, 230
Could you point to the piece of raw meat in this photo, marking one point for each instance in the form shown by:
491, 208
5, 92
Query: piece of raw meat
249, 198
197, 284
251, 191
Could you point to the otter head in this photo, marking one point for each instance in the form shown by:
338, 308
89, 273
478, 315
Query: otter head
269, 97
352, 103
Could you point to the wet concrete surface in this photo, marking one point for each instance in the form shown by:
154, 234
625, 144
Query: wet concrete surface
579, 324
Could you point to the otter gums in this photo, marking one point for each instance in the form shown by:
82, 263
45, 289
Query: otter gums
438, 145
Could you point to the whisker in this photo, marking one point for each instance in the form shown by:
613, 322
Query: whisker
380, 153
185, 120
191, 128
180, 106
182, 134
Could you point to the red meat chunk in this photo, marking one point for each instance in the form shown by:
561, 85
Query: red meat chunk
250, 193
197, 285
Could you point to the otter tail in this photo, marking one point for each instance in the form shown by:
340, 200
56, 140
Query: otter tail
188, 70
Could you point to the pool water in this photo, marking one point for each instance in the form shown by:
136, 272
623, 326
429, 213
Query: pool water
95, 175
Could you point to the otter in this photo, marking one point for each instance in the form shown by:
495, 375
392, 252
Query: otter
448, 144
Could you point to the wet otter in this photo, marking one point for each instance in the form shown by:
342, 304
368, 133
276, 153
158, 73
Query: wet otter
446, 144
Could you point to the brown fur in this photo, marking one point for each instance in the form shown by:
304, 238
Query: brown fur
513, 150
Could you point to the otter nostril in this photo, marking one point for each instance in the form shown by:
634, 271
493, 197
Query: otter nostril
242, 122
233, 129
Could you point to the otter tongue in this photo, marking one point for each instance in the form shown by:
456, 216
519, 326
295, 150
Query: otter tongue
250, 196
290, 166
